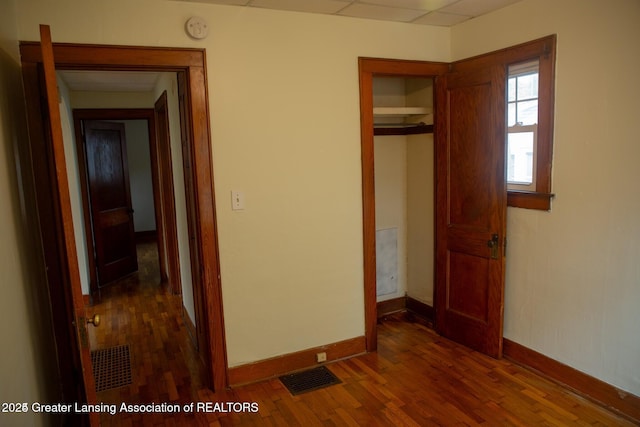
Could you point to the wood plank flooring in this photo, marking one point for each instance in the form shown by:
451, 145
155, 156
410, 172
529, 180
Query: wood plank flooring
416, 378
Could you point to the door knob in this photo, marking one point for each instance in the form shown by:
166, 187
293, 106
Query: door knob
95, 320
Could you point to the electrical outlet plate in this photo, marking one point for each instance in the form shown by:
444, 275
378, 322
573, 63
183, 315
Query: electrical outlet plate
237, 200
321, 357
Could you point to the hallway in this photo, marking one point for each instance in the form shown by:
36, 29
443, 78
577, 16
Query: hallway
140, 312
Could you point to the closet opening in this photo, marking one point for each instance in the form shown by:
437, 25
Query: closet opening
397, 100
404, 171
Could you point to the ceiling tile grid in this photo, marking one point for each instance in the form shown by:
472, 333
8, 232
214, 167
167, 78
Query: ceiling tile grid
422, 12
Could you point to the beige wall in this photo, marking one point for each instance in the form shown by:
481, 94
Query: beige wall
285, 122
420, 217
573, 276
27, 371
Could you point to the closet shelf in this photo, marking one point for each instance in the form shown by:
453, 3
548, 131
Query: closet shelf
401, 111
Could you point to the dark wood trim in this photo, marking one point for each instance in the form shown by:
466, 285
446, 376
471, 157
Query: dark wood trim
367, 69
605, 394
166, 193
191, 207
206, 233
146, 236
421, 309
192, 62
291, 362
391, 306
74, 56
404, 130
401, 67
86, 299
529, 200
43, 166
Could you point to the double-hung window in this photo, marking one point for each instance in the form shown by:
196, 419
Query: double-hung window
522, 125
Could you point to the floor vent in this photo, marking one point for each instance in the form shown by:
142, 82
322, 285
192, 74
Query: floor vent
310, 380
111, 367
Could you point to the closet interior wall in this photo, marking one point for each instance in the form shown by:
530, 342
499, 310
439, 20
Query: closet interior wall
405, 189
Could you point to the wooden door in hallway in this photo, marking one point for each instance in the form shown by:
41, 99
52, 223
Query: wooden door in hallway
110, 200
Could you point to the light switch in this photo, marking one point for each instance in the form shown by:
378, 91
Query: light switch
237, 200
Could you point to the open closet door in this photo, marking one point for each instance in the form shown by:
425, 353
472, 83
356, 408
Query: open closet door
471, 201
73, 292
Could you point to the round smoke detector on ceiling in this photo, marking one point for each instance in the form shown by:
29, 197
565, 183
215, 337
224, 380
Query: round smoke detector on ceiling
197, 27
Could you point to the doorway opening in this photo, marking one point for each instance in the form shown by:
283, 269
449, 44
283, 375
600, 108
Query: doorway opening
198, 167
145, 153
396, 115
404, 194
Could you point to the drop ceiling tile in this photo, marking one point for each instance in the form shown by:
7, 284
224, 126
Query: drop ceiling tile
410, 4
229, 2
476, 7
441, 19
312, 6
369, 11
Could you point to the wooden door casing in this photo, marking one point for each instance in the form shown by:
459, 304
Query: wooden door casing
166, 193
368, 69
132, 58
471, 207
192, 212
464, 193
110, 200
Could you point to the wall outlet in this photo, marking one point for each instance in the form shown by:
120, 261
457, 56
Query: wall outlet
321, 357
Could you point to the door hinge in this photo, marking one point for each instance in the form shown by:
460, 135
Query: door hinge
81, 325
493, 246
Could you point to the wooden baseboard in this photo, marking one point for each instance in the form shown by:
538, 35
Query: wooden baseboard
391, 306
605, 394
147, 236
287, 363
421, 309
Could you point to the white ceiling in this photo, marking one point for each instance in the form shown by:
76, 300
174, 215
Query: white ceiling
109, 81
425, 12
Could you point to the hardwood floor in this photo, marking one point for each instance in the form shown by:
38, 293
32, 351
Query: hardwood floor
416, 378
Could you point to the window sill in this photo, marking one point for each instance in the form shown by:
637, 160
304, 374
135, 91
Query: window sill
529, 200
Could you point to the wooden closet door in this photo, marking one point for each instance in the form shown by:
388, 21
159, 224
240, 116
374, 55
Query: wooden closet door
471, 208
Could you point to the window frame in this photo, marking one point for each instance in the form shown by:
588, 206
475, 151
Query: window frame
544, 50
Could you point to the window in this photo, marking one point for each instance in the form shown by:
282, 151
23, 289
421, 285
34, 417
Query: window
522, 125
529, 98
530, 92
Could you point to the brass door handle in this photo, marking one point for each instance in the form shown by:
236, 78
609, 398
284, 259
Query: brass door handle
95, 320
